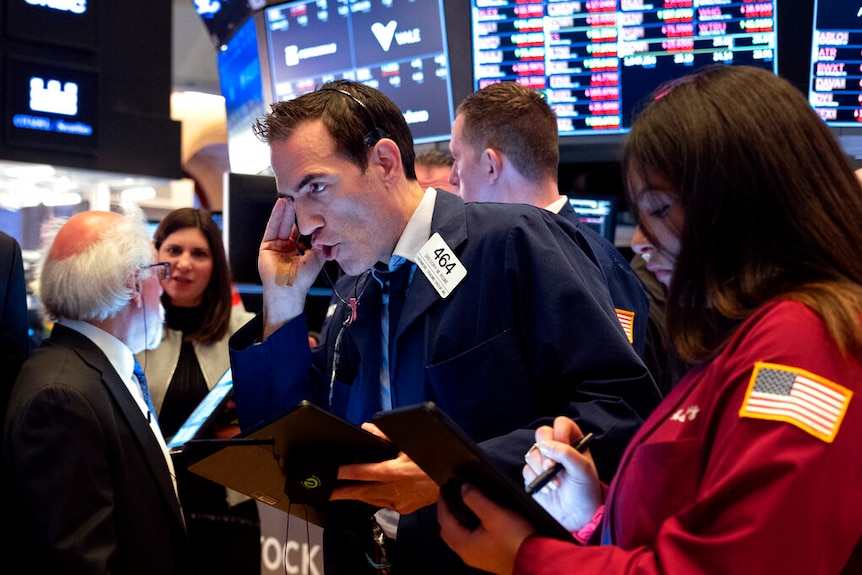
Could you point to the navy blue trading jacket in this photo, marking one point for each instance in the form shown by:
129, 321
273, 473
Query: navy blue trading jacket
627, 291
530, 333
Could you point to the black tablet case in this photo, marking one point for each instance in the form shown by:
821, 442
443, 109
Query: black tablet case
291, 463
445, 452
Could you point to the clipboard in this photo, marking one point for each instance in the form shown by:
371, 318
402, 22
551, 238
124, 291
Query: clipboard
291, 463
449, 456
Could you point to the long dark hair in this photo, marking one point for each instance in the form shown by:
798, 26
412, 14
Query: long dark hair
772, 207
217, 296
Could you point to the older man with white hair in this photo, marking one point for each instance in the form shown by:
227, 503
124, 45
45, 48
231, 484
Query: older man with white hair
86, 473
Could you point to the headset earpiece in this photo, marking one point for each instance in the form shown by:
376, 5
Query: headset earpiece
371, 138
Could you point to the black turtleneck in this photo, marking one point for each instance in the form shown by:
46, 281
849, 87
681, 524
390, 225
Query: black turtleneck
185, 391
187, 387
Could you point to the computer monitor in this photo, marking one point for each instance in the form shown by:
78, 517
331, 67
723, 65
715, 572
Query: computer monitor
597, 212
596, 61
223, 17
50, 105
241, 81
247, 204
397, 46
835, 79
73, 24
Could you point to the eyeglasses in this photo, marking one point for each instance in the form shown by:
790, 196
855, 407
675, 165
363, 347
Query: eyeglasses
161, 269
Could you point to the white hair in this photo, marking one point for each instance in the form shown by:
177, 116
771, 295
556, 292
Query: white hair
98, 282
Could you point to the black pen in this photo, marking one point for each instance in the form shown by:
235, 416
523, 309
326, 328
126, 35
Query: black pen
545, 477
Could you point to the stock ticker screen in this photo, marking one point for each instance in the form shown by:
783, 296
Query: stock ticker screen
396, 46
596, 60
835, 88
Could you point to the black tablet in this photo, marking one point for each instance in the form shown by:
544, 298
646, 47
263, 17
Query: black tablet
204, 414
291, 463
449, 456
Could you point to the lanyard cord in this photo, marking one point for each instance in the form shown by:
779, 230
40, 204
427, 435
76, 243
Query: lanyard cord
352, 303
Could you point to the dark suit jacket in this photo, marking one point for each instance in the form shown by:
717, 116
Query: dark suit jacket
530, 333
87, 485
626, 289
14, 340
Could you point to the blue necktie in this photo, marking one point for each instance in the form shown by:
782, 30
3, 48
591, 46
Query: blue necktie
142, 381
394, 280
398, 281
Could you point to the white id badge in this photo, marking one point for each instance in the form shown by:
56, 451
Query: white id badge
440, 265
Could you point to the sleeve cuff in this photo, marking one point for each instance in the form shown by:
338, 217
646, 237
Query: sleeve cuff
584, 534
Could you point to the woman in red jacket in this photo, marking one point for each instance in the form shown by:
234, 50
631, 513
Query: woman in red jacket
748, 210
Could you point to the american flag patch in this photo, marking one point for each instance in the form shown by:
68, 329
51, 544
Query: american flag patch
627, 319
808, 401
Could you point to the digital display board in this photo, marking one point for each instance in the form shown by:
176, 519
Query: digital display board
66, 22
242, 88
223, 17
596, 60
835, 82
597, 212
50, 106
396, 46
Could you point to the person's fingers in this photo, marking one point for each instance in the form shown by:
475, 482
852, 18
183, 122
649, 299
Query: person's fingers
374, 430
275, 226
566, 430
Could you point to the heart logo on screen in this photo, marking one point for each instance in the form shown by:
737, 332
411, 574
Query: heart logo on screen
384, 34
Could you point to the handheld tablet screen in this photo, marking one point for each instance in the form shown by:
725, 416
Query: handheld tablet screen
205, 412
445, 452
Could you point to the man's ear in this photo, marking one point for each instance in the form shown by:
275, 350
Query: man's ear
387, 155
135, 285
492, 163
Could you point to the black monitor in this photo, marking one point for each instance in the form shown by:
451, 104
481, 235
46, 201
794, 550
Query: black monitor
248, 201
399, 47
597, 212
596, 61
75, 24
51, 106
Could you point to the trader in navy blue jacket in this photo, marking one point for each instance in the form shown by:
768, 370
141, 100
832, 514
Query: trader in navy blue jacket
504, 142
507, 320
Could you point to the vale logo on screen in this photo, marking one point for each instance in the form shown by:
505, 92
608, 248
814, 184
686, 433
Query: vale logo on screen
385, 33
